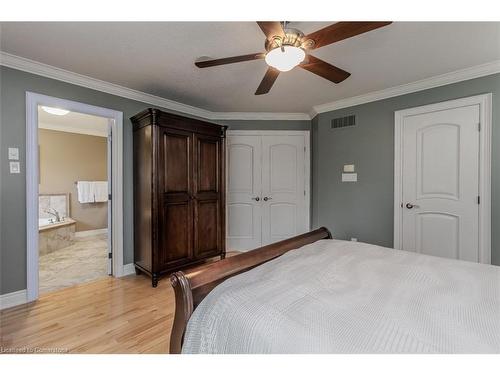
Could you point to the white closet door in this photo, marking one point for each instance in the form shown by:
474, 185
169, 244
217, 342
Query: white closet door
441, 183
243, 192
283, 187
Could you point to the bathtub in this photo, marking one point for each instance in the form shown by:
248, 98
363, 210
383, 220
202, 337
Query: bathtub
53, 236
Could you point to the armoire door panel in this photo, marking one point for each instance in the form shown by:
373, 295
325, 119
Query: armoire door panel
175, 178
207, 236
176, 233
207, 160
207, 195
176, 161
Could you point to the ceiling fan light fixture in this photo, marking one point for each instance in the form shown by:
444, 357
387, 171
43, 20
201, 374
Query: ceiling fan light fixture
285, 58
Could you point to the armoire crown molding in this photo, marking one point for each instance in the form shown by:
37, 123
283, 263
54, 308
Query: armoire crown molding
34, 67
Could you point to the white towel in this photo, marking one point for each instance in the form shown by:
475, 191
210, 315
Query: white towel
101, 191
85, 191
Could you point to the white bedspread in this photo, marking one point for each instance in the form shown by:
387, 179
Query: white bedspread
345, 297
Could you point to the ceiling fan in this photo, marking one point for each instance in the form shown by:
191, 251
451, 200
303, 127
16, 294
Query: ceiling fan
287, 48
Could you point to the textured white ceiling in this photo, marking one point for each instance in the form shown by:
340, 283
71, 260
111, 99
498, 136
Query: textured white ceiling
157, 58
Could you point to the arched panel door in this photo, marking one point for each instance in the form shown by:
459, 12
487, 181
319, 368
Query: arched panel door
266, 189
441, 183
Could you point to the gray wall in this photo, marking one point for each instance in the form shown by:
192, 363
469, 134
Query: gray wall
365, 209
13, 86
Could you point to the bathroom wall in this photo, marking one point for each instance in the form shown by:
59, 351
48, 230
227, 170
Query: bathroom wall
69, 157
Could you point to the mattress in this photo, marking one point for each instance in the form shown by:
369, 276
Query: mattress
337, 296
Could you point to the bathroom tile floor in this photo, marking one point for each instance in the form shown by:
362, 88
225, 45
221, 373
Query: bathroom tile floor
85, 260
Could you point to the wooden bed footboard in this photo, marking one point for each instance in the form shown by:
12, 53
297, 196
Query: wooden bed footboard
190, 288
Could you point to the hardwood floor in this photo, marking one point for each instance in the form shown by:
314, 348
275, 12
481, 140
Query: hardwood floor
110, 315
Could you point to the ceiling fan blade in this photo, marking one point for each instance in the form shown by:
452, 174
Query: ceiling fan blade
268, 81
229, 60
325, 70
271, 29
342, 30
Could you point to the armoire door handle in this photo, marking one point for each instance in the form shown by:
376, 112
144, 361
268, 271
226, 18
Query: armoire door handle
267, 199
256, 199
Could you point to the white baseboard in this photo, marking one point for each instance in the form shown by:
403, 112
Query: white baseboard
88, 233
13, 299
128, 269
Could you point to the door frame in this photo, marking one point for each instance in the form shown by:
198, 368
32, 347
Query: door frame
484, 102
307, 161
33, 100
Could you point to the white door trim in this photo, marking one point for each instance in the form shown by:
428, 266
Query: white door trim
33, 100
307, 160
484, 101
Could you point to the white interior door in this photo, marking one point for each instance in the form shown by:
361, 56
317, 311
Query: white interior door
267, 188
243, 192
440, 183
283, 187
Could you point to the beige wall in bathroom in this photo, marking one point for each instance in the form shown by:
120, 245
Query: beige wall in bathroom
69, 157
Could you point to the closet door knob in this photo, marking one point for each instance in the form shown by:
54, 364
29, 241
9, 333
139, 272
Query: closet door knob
267, 199
256, 199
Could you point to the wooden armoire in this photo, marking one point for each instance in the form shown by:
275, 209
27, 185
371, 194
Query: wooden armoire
179, 188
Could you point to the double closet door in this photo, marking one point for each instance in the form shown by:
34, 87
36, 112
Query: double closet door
268, 187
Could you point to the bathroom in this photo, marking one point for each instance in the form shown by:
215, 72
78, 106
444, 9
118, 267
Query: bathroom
73, 205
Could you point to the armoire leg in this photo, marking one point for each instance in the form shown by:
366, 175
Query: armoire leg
137, 271
223, 256
154, 280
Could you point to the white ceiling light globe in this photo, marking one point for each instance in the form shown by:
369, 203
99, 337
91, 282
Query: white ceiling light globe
55, 111
286, 59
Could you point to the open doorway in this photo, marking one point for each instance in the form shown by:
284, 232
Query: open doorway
73, 201
74, 193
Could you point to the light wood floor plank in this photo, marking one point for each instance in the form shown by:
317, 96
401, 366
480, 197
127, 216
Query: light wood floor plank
109, 315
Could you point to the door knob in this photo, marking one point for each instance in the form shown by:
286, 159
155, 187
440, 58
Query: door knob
267, 199
410, 206
256, 199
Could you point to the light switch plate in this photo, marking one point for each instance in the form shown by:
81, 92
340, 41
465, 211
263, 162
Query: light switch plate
15, 167
349, 177
349, 168
13, 153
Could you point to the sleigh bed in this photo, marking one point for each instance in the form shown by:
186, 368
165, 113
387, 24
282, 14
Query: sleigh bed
313, 294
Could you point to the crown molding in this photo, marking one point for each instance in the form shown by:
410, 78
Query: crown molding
49, 71
292, 116
424, 84
34, 67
